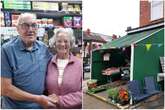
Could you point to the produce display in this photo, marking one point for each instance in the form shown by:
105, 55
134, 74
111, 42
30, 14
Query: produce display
110, 71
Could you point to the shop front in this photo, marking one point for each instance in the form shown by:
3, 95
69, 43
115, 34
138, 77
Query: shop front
135, 56
140, 51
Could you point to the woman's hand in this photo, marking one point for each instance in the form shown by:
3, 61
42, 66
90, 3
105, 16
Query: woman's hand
44, 101
53, 98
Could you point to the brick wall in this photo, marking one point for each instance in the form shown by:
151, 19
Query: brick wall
144, 12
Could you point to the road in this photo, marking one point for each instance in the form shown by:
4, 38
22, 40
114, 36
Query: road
90, 102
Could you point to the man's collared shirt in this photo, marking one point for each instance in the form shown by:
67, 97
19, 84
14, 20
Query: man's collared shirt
27, 69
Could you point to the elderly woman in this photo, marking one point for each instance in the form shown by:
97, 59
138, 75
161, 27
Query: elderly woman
64, 75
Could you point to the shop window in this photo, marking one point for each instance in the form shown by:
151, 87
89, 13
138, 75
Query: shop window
106, 57
156, 10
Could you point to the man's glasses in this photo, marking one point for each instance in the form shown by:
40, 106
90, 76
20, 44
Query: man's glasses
27, 26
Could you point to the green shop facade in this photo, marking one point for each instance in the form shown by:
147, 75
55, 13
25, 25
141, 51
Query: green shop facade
144, 48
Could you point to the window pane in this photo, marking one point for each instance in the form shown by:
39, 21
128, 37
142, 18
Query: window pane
156, 10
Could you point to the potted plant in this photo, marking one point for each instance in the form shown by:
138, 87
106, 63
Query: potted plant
113, 94
92, 84
123, 96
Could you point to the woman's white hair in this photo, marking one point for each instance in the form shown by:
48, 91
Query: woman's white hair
70, 33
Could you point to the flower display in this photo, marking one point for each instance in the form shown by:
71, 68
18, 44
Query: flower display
123, 96
118, 95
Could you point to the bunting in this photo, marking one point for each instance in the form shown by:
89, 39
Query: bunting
148, 46
159, 45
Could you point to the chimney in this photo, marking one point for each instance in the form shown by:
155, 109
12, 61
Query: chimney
144, 12
114, 37
128, 28
88, 32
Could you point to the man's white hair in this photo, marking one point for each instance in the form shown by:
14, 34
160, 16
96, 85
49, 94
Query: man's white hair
24, 15
70, 33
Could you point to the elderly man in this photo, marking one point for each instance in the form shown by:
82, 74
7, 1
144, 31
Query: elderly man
24, 63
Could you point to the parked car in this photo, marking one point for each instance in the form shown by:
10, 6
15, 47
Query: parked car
86, 67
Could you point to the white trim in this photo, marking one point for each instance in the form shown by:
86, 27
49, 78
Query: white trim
131, 67
145, 28
91, 64
132, 61
148, 35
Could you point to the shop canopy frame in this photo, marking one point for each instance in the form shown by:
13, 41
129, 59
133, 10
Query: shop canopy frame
129, 39
136, 38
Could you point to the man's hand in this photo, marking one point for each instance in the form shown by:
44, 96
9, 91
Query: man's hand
45, 102
53, 98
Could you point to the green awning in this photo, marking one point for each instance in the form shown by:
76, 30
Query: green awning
129, 39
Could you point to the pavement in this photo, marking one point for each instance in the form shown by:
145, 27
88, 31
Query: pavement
91, 102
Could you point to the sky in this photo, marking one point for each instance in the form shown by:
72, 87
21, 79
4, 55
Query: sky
110, 16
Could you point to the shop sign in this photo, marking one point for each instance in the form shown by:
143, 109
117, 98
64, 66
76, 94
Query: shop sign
7, 18
77, 22
106, 57
17, 4
68, 21
45, 6
9, 31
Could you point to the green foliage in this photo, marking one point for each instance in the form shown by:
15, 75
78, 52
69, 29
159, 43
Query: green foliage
113, 93
95, 90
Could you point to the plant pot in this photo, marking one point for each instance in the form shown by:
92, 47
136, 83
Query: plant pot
92, 84
112, 100
123, 102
